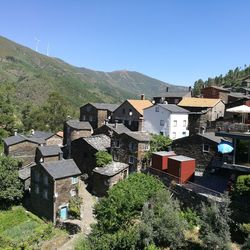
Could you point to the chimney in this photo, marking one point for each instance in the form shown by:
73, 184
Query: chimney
141, 124
166, 89
189, 88
32, 131
142, 97
106, 121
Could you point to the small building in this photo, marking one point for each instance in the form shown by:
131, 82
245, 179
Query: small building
74, 129
160, 159
110, 129
97, 113
22, 147
213, 92
52, 186
107, 176
172, 97
167, 119
202, 147
182, 167
49, 137
48, 153
130, 113
130, 148
84, 150
246, 82
24, 176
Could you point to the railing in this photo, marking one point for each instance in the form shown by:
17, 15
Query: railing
168, 179
233, 127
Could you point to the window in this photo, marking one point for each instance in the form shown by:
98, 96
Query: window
131, 160
90, 118
131, 146
37, 189
205, 148
73, 192
45, 180
175, 123
176, 101
84, 118
41, 159
117, 143
88, 108
45, 194
184, 123
74, 180
146, 147
123, 111
157, 109
161, 122
184, 133
37, 176
174, 135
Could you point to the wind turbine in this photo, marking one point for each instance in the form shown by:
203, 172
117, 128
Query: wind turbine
37, 43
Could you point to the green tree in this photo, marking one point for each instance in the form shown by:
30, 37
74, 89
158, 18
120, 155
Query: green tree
162, 223
10, 185
103, 158
215, 230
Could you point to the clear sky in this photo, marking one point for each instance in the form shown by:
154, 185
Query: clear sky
177, 41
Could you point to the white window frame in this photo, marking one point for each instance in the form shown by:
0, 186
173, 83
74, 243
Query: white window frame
184, 123
174, 135
72, 192
203, 148
175, 123
74, 180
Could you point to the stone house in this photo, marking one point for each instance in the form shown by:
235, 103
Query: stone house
74, 129
202, 147
167, 119
110, 129
130, 113
84, 150
22, 147
49, 137
48, 153
214, 92
107, 176
203, 111
172, 97
52, 185
97, 113
130, 148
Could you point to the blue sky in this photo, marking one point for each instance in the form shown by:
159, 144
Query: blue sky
177, 41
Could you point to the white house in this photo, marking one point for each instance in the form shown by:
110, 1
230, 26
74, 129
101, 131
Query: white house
167, 119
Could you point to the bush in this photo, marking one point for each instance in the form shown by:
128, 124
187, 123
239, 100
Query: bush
103, 158
242, 185
75, 207
191, 217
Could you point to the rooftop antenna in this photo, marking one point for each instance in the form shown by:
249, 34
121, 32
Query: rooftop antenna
37, 43
48, 49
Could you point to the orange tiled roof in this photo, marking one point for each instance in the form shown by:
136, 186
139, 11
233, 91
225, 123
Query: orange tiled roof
198, 102
139, 105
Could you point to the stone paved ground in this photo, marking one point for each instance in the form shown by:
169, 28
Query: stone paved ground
86, 214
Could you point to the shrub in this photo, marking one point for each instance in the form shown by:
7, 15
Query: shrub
75, 207
191, 217
103, 158
242, 185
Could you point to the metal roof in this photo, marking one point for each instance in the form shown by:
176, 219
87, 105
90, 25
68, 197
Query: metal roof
50, 150
181, 158
100, 142
111, 169
79, 125
61, 169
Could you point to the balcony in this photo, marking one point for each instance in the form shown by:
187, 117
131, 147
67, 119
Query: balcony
233, 127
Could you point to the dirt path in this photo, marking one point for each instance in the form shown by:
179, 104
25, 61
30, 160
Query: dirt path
86, 214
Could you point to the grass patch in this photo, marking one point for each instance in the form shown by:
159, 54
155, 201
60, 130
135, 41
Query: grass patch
22, 229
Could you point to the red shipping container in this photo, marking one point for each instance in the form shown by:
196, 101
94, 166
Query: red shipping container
182, 167
160, 159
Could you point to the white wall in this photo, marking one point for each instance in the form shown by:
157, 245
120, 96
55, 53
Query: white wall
152, 122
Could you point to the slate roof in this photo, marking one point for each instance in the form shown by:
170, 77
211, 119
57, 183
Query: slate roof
24, 173
41, 134
99, 142
12, 140
176, 94
181, 158
139, 105
111, 169
50, 150
105, 106
172, 108
238, 95
80, 125
119, 128
198, 102
139, 136
61, 169
217, 87
211, 136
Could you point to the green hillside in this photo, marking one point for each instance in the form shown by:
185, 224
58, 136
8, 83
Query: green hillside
35, 76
